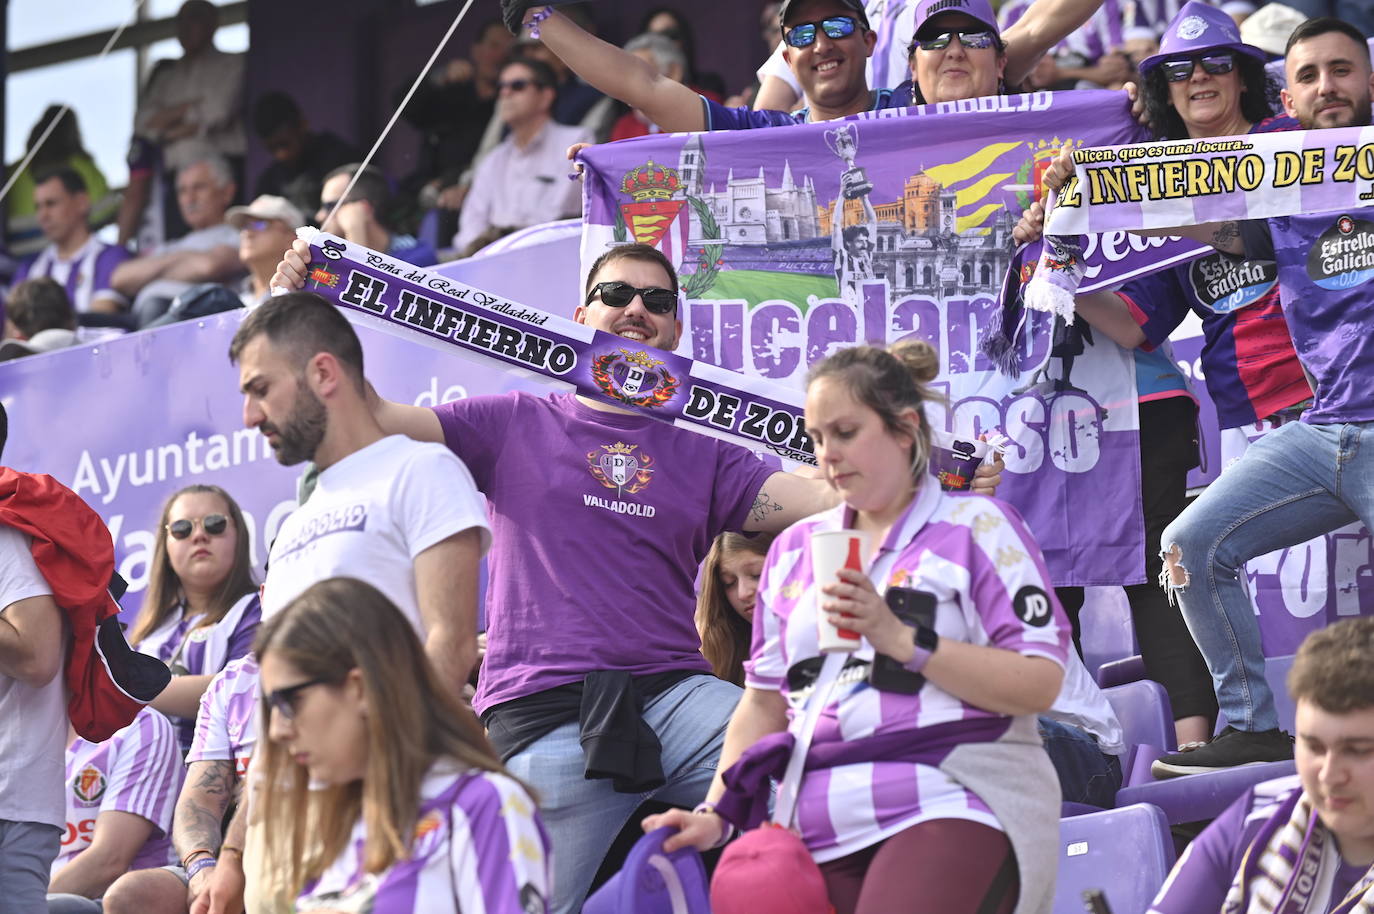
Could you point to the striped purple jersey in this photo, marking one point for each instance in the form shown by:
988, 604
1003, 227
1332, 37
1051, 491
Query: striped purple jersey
227, 725
975, 555
86, 276
478, 847
138, 771
203, 651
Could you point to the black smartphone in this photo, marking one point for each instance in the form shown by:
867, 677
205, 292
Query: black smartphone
1094, 902
913, 607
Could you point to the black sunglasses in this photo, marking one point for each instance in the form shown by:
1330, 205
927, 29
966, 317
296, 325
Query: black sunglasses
214, 525
517, 85
979, 39
803, 34
284, 700
618, 294
1176, 71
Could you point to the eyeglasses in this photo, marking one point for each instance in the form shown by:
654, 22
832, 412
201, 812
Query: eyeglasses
284, 700
803, 34
969, 38
258, 225
1176, 71
326, 207
619, 294
516, 85
213, 524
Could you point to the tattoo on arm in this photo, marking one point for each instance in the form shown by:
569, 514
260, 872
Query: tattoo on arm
199, 817
763, 506
1227, 237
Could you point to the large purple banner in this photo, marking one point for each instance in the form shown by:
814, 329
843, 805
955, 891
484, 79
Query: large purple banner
793, 242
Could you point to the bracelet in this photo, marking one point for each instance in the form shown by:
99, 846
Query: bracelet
198, 865
231, 849
186, 860
727, 829
924, 641
537, 17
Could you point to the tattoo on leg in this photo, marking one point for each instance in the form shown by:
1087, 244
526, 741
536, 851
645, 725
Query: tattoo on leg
763, 506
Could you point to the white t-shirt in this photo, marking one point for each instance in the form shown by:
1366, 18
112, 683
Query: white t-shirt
1081, 704
33, 722
370, 515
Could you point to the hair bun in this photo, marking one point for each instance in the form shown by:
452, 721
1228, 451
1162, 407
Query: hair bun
918, 357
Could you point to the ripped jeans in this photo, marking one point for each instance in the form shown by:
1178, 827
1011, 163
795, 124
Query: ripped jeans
1295, 483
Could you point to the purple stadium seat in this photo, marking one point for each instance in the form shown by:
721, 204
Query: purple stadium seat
1107, 633
1126, 852
652, 882
1120, 672
1143, 709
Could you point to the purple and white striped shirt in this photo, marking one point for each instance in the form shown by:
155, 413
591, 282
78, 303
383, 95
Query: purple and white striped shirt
86, 276
478, 847
203, 651
975, 555
227, 725
138, 771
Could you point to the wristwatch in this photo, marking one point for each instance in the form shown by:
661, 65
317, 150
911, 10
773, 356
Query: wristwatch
925, 643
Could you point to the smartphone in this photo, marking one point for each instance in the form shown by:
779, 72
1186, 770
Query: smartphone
1094, 902
913, 607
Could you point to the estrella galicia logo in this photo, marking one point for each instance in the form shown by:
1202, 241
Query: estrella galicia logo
634, 377
1343, 256
1225, 283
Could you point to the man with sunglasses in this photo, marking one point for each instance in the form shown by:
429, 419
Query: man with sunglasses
364, 215
266, 226
828, 43
523, 180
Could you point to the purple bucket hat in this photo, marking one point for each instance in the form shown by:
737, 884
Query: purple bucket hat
1199, 27
978, 9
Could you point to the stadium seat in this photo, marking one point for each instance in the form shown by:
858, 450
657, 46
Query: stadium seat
1120, 672
1107, 632
1126, 852
652, 882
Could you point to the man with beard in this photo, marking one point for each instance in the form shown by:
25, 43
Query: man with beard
373, 514
1306, 478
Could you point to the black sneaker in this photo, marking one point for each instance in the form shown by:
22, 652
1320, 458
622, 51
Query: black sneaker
1232, 748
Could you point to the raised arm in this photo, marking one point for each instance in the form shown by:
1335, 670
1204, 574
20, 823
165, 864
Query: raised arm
623, 76
1107, 312
1045, 24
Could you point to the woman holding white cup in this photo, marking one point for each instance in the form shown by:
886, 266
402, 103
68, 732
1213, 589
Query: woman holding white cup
935, 793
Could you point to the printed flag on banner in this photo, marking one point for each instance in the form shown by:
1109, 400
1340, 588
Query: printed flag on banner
896, 225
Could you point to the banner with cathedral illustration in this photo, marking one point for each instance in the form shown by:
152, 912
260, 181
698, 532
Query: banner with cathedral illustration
774, 281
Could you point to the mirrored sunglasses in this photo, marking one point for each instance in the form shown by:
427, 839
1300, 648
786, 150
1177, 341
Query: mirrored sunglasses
980, 39
803, 34
619, 294
214, 525
1176, 71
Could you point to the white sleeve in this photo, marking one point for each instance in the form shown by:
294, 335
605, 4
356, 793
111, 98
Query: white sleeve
146, 776
210, 742
20, 578
776, 66
434, 498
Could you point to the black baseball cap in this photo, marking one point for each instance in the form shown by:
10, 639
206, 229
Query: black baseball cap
855, 5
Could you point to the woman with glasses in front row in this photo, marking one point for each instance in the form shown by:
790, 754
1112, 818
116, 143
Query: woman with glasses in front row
201, 607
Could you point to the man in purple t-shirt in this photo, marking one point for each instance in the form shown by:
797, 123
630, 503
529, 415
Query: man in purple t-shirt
1308, 477
1303, 843
600, 518
74, 258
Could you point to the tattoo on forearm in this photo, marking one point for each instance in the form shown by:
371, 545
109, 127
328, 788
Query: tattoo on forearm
763, 506
199, 817
1226, 235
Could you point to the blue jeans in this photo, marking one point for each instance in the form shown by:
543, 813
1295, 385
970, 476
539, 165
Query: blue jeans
27, 850
1295, 483
1086, 773
583, 817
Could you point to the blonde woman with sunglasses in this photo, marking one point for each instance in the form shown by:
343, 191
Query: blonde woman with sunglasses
200, 610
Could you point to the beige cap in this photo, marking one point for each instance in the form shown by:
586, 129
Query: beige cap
266, 207
1269, 27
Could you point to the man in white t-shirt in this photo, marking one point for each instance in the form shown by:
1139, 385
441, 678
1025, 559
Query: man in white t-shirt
33, 725
400, 514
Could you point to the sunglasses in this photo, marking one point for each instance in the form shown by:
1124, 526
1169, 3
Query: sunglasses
1176, 71
979, 39
283, 701
213, 524
258, 225
516, 85
619, 294
804, 34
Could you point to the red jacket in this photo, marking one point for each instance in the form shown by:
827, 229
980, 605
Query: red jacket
108, 681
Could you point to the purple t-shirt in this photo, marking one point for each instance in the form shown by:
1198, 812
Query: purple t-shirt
1326, 262
719, 117
599, 521
1203, 875
85, 277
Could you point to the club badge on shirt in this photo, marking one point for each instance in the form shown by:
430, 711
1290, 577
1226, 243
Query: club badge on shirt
634, 377
89, 784
622, 467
